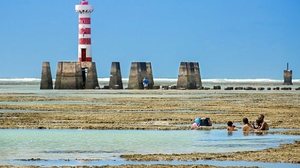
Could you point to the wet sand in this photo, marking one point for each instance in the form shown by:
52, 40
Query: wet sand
289, 153
157, 109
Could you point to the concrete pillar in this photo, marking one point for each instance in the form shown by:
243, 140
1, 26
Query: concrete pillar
287, 76
138, 71
197, 75
115, 81
89, 75
46, 78
69, 76
189, 76
149, 75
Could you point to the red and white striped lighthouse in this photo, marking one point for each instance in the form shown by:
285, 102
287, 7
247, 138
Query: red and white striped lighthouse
84, 32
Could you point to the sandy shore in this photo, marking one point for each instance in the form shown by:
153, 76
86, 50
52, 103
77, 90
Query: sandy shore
161, 110
150, 110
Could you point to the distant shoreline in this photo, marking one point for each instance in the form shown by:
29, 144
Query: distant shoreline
217, 80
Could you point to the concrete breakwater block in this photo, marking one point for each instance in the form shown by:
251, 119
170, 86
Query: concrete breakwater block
286, 88
249, 88
164, 87
68, 76
217, 87
76, 75
238, 88
228, 88
189, 76
46, 78
115, 81
138, 72
89, 73
287, 76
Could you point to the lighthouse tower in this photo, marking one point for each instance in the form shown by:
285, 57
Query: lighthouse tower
84, 32
82, 73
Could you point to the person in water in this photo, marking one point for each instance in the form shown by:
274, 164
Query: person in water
230, 126
261, 124
247, 127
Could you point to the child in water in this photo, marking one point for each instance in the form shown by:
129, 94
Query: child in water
247, 127
230, 126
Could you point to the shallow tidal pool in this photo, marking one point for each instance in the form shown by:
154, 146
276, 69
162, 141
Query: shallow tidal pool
101, 147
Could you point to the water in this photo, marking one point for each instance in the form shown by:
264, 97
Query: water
49, 163
70, 146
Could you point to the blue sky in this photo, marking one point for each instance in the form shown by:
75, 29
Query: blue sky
229, 38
